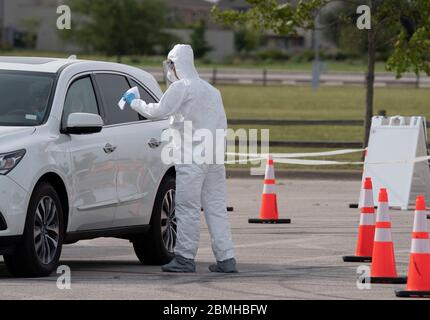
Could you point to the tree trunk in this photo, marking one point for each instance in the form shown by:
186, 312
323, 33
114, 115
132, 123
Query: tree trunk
417, 81
370, 80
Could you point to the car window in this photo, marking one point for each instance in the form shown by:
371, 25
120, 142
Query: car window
24, 97
80, 98
112, 88
144, 95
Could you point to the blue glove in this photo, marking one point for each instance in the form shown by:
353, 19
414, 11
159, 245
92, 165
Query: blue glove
129, 97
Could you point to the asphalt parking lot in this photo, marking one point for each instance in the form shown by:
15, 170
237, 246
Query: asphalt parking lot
297, 261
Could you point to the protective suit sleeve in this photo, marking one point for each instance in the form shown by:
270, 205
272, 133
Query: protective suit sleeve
170, 102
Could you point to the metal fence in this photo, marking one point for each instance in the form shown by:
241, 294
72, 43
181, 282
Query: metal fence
299, 122
267, 77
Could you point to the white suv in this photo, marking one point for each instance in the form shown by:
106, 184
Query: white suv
73, 166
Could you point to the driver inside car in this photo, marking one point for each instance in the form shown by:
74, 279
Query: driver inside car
39, 100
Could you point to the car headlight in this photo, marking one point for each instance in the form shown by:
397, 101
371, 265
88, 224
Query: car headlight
9, 160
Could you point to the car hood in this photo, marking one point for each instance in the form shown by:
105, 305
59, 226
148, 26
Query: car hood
7, 133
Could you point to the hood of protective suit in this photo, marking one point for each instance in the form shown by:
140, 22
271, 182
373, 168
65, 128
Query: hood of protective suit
182, 56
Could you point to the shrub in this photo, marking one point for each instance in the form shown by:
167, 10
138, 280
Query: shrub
272, 55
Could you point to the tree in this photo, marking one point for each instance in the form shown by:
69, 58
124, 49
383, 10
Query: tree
246, 40
198, 39
340, 27
411, 46
411, 50
30, 26
116, 27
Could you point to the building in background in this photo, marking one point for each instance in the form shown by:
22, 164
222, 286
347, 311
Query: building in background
182, 14
32, 24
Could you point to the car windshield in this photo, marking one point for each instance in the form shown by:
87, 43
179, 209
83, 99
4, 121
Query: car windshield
24, 97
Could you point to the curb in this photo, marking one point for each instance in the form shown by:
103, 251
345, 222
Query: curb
300, 174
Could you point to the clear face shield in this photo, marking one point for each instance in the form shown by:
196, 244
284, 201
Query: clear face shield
169, 72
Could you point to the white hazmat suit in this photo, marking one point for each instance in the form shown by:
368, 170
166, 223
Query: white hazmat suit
192, 99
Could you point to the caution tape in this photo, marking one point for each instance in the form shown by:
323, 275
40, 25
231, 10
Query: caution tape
244, 160
405, 161
306, 162
297, 155
294, 161
329, 162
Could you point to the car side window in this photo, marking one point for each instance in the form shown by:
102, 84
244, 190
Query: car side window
112, 87
80, 98
144, 95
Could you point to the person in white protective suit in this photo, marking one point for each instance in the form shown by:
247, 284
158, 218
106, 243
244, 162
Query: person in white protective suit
190, 100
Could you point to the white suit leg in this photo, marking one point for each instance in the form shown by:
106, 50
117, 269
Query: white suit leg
189, 181
214, 206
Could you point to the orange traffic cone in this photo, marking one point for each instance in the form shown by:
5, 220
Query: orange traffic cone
366, 232
419, 263
269, 206
383, 258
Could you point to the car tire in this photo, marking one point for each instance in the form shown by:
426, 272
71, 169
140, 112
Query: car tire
154, 247
39, 251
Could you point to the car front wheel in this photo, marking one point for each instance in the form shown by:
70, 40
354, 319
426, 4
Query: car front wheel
39, 251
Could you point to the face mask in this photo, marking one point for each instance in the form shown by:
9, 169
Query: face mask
169, 74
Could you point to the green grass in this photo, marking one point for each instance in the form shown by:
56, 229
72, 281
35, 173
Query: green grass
327, 103
285, 102
332, 66
311, 133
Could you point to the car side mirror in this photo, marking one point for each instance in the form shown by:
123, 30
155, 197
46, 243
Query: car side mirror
83, 123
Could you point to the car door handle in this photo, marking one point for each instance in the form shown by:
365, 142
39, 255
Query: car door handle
154, 143
108, 148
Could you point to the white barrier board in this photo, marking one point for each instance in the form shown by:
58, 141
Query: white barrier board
398, 139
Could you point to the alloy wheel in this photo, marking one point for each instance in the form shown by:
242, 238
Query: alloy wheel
46, 230
168, 220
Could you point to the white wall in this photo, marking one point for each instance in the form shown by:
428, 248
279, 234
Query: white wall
47, 35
